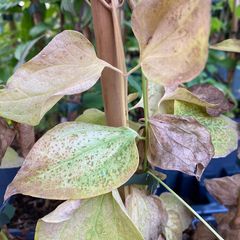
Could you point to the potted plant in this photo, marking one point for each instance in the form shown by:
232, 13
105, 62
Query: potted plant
88, 163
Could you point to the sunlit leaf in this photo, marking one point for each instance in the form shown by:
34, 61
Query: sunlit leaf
178, 217
173, 38
6, 137
229, 45
102, 218
219, 188
3, 236
222, 129
11, 159
146, 212
67, 65
77, 160
179, 143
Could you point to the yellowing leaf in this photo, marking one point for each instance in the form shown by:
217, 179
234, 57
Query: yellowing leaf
219, 188
155, 93
146, 212
229, 45
11, 159
173, 38
101, 218
6, 137
76, 161
67, 65
178, 217
204, 95
93, 116
179, 143
222, 129
184, 95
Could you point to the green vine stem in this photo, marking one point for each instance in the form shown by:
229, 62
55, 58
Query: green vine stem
186, 205
146, 118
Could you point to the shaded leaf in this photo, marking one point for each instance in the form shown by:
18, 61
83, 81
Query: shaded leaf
26, 137
93, 116
11, 159
224, 221
212, 95
67, 65
178, 217
155, 93
179, 143
102, 217
77, 160
146, 212
204, 95
229, 45
222, 129
6, 137
219, 188
203, 233
173, 38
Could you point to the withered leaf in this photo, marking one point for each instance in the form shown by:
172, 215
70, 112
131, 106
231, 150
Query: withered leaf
203, 233
6, 137
229, 45
178, 217
223, 130
212, 95
173, 38
67, 65
225, 229
226, 189
179, 143
146, 212
25, 137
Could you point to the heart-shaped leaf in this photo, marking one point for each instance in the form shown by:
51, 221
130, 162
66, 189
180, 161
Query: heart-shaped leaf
76, 161
6, 137
219, 188
11, 159
173, 38
179, 143
178, 217
67, 65
103, 217
146, 212
229, 45
204, 95
222, 129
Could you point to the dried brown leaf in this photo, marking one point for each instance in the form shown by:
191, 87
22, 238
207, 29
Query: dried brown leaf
225, 190
146, 212
173, 38
179, 143
26, 137
225, 229
212, 95
6, 137
203, 233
